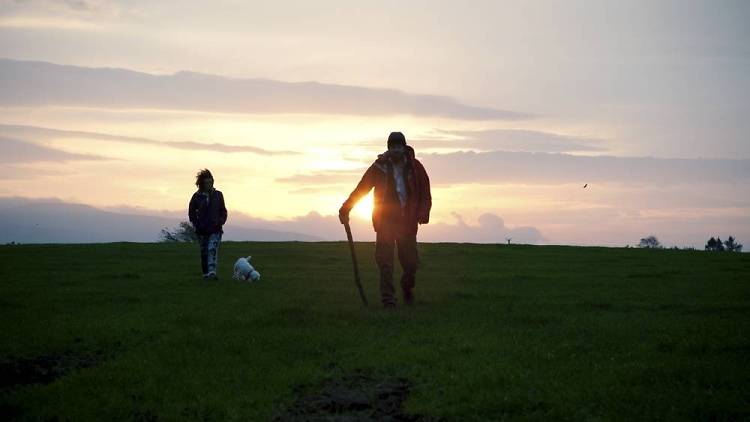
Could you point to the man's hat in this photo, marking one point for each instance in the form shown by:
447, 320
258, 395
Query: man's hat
396, 138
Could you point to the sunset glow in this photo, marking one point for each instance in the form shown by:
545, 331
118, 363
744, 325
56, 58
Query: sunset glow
511, 115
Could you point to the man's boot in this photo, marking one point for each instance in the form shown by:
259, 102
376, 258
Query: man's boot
408, 296
407, 287
387, 292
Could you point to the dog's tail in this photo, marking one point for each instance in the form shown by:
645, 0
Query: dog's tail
249, 257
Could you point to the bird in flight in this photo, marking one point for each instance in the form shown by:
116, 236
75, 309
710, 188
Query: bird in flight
584, 186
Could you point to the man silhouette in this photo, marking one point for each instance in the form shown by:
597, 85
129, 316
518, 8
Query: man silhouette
402, 201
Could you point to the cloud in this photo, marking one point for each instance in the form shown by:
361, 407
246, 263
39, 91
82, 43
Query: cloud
32, 22
323, 178
33, 84
503, 167
40, 133
496, 167
51, 220
24, 171
64, 15
13, 152
514, 140
316, 190
545, 168
79, 4
490, 228
47, 220
501, 140
55, 220
312, 224
17, 201
68, 8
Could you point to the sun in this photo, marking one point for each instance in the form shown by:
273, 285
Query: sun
363, 209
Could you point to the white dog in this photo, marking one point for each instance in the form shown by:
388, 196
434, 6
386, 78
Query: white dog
243, 271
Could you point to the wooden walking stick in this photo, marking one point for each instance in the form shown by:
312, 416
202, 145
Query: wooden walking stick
354, 262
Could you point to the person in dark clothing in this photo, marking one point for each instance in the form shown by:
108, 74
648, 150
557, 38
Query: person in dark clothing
208, 214
402, 201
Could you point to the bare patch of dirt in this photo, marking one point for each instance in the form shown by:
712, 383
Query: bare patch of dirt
356, 397
44, 369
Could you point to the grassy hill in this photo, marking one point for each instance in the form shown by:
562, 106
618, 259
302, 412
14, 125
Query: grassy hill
131, 332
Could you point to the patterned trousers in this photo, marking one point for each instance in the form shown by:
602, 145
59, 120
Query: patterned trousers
209, 244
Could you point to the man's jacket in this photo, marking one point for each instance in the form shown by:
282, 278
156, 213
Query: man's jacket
207, 212
387, 208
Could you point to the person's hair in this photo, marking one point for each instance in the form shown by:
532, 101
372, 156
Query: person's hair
396, 138
201, 176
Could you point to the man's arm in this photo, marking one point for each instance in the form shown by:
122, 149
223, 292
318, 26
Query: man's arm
222, 209
191, 211
363, 187
425, 196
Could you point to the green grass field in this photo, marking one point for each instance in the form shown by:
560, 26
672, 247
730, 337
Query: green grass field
131, 332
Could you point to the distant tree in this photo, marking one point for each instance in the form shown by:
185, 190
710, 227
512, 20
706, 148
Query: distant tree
731, 245
650, 242
711, 244
184, 232
719, 244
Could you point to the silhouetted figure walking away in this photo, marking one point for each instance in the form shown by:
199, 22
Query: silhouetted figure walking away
402, 201
208, 214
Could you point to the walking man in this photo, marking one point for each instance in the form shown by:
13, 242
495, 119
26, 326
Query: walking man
402, 201
208, 214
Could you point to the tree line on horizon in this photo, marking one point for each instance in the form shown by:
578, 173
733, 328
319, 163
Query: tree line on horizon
712, 245
729, 245
184, 232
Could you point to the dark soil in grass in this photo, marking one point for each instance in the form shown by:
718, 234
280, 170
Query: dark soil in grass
356, 397
44, 369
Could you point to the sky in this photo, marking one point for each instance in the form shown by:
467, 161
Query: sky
512, 106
